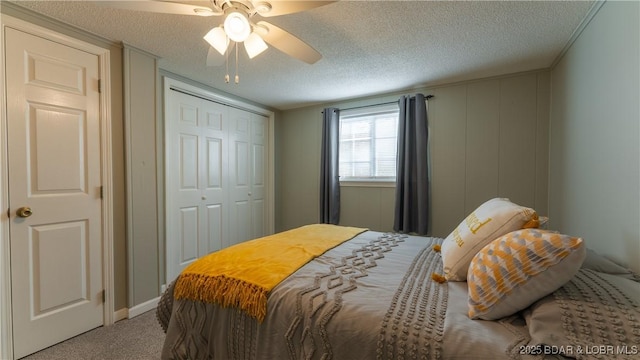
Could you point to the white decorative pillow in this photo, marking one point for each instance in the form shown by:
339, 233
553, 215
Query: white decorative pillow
489, 221
515, 270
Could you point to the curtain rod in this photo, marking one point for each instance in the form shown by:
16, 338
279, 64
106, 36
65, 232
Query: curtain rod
426, 97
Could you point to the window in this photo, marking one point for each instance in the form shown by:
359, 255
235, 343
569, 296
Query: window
368, 143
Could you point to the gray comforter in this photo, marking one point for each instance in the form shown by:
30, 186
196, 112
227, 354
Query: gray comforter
369, 298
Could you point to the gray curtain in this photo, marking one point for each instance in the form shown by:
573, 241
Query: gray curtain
329, 175
412, 178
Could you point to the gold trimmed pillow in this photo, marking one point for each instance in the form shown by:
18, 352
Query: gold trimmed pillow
517, 269
489, 221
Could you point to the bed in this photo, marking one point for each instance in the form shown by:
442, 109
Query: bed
391, 296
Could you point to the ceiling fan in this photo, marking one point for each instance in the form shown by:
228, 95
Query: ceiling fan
239, 25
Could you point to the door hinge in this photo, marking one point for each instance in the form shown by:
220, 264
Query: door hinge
99, 85
104, 296
101, 192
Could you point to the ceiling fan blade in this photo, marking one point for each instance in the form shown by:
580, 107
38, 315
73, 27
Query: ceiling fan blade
167, 7
289, 44
214, 58
283, 7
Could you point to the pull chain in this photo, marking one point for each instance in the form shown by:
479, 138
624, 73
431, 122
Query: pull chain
227, 78
226, 63
237, 79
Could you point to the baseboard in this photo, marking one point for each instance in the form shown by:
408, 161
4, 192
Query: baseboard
120, 314
143, 308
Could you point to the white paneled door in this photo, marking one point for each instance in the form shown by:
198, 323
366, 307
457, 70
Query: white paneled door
247, 164
216, 168
54, 191
197, 162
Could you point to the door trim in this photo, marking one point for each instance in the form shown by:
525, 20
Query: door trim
6, 326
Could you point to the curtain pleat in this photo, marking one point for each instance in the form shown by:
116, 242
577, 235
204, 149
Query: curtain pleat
412, 178
329, 168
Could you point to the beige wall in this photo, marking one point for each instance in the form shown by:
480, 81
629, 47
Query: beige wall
488, 138
595, 135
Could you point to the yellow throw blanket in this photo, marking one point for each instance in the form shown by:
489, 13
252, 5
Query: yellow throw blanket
242, 275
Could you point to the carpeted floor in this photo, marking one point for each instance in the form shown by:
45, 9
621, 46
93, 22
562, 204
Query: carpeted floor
139, 338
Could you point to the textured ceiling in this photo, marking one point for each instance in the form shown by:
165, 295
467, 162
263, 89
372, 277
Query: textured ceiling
368, 47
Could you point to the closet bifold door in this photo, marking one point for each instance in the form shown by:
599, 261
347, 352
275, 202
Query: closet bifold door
247, 175
197, 176
216, 178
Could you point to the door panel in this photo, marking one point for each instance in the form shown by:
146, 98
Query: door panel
240, 165
258, 175
213, 164
188, 235
242, 215
214, 227
188, 162
214, 174
248, 180
54, 168
59, 284
196, 178
52, 73
49, 156
185, 209
258, 215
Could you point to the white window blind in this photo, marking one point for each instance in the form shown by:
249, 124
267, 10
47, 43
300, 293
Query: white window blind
368, 143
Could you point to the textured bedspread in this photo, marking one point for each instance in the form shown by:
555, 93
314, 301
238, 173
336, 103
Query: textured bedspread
369, 298
243, 275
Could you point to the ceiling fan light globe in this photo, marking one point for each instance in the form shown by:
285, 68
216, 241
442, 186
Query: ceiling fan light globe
237, 26
218, 39
254, 45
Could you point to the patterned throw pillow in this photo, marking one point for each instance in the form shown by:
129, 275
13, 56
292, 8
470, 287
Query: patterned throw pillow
515, 270
489, 221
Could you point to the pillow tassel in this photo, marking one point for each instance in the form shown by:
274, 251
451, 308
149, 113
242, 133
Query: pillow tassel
534, 223
437, 248
438, 278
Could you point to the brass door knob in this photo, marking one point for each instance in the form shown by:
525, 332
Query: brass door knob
24, 212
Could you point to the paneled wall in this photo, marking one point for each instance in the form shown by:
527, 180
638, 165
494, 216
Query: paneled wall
595, 135
143, 246
488, 138
368, 206
297, 146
